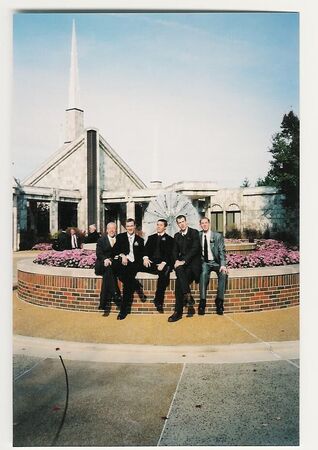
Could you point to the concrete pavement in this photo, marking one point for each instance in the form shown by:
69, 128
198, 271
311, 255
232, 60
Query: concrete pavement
126, 404
211, 380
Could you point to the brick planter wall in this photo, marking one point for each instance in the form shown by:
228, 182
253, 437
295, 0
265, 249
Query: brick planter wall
78, 289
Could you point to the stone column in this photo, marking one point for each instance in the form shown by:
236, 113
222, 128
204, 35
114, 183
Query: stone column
130, 209
15, 224
224, 223
82, 215
54, 212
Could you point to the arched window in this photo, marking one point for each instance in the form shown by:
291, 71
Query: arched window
233, 217
217, 218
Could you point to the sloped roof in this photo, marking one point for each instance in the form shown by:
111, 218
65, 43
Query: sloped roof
121, 163
66, 150
60, 155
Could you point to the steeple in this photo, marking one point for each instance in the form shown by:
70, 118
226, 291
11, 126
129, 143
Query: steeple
74, 125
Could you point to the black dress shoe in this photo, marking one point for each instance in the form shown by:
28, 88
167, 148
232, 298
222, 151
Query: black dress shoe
201, 310
191, 311
219, 307
122, 315
175, 316
159, 309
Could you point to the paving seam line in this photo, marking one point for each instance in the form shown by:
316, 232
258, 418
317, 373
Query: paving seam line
171, 404
29, 370
267, 344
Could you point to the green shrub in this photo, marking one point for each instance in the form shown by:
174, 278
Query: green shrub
233, 233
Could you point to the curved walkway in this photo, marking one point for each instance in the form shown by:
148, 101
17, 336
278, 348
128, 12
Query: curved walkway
262, 336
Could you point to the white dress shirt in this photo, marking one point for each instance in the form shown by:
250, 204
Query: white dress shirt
131, 238
74, 241
208, 238
184, 233
112, 240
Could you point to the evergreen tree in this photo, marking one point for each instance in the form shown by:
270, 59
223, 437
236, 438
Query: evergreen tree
245, 183
284, 170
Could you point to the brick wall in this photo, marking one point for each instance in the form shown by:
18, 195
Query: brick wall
244, 294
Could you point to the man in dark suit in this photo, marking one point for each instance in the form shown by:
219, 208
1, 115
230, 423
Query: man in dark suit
74, 239
62, 242
105, 256
158, 260
129, 250
213, 258
187, 265
92, 235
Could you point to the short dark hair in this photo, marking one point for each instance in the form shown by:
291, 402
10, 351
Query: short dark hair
204, 218
130, 220
163, 221
181, 216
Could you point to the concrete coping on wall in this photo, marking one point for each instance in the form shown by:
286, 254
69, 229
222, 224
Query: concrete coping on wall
244, 246
30, 267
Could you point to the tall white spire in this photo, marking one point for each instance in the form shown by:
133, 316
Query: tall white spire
74, 125
74, 94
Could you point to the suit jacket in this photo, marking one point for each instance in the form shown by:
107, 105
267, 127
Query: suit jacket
69, 241
122, 246
217, 247
62, 242
103, 251
187, 248
91, 238
165, 248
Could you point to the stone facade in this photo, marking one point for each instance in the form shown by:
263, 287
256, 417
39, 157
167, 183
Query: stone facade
259, 208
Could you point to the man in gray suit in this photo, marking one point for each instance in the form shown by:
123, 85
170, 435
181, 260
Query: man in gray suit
213, 258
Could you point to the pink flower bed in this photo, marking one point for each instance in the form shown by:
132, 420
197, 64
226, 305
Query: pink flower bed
268, 253
42, 246
83, 259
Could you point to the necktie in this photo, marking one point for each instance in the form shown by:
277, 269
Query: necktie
205, 249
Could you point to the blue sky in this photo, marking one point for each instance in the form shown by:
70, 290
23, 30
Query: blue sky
209, 86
